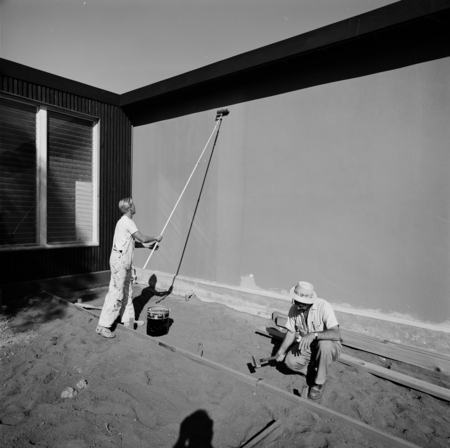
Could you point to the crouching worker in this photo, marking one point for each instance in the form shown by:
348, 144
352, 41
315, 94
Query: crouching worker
313, 332
119, 300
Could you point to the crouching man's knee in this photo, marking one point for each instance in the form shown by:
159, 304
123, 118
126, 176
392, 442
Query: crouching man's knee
295, 363
330, 349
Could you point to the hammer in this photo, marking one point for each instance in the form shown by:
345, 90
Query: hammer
257, 362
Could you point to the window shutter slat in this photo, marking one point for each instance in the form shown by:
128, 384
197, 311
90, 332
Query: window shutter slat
17, 173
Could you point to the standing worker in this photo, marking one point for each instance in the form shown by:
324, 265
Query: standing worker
120, 286
313, 326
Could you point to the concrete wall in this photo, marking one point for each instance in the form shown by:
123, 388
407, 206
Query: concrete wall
345, 185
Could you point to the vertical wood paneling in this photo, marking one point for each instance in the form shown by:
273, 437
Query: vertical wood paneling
114, 180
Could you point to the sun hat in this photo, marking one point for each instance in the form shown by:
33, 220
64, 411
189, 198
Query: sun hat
304, 292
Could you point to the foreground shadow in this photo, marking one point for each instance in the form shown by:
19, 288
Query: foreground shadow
35, 310
196, 431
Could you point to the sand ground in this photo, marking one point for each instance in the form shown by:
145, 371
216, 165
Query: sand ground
130, 392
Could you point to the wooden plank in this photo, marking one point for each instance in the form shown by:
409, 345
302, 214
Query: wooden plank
212, 364
374, 434
426, 359
267, 435
89, 307
396, 377
382, 372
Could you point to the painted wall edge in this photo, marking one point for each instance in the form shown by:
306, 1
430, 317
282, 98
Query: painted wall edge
263, 303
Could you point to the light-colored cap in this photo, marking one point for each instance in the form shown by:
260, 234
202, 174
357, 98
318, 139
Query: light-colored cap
303, 292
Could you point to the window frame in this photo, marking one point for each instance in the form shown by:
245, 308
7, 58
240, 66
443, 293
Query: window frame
41, 174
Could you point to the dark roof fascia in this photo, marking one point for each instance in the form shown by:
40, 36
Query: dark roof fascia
350, 29
316, 41
41, 78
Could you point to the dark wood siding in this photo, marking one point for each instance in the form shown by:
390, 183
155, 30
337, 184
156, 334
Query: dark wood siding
114, 181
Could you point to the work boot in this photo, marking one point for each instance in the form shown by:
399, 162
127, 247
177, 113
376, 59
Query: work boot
316, 391
105, 332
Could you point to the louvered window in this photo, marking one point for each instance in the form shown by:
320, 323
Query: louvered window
48, 177
18, 169
69, 173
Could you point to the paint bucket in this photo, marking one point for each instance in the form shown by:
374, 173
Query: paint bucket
157, 321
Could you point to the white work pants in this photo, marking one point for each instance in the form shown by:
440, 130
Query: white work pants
119, 300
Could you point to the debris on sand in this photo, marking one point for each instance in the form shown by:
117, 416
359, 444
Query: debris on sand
82, 384
68, 392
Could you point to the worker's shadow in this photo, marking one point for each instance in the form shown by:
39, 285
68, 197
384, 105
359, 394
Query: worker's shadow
196, 431
147, 294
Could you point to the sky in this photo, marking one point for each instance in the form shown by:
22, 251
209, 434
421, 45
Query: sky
121, 45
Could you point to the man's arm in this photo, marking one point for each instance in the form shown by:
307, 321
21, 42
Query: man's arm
141, 238
139, 245
332, 334
287, 342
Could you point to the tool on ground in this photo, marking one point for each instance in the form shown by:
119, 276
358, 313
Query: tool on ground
88, 307
257, 362
188, 297
304, 392
219, 115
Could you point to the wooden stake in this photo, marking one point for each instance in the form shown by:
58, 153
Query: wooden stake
264, 435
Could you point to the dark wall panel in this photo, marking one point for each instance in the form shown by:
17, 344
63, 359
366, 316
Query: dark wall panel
115, 183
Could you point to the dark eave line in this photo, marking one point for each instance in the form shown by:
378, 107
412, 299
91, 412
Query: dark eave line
334, 34
34, 76
401, 34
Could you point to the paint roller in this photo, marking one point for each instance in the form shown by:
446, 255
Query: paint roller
221, 113
219, 116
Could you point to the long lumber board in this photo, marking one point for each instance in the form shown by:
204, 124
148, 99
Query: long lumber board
377, 435
374, 434
382, 372
89, 307
268, 435
392, 350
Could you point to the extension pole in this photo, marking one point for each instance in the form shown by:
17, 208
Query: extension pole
220, 114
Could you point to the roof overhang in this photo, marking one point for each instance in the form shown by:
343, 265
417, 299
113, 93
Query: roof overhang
400, 34
404, 33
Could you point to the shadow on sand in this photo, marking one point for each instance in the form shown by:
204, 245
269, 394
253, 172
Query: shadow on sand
147, 294
196, 431
34, 310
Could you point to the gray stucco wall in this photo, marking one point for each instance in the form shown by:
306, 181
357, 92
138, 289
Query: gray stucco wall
345, 185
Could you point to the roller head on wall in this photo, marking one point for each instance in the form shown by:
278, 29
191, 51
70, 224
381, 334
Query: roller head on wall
222, 113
